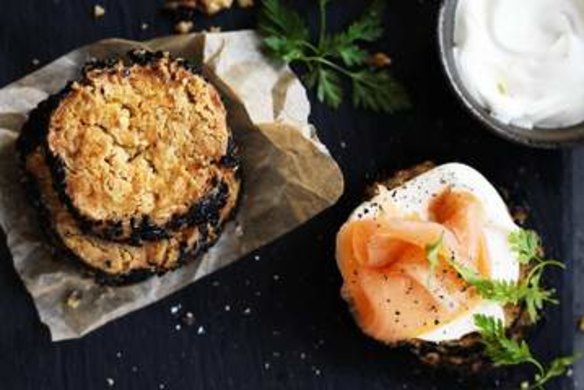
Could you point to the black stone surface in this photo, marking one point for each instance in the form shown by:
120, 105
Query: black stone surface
274, 320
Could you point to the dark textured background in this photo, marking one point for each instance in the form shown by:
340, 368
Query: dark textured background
298, 333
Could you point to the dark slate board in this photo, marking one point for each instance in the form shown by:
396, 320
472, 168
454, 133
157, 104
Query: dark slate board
287, 326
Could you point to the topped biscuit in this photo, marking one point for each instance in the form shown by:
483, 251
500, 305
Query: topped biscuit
135, 147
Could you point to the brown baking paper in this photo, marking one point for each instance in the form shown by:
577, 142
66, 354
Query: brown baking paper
289, 175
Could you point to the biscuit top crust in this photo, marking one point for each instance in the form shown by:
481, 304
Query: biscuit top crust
140, 139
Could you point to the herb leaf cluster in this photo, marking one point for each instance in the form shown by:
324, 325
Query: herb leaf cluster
334, 56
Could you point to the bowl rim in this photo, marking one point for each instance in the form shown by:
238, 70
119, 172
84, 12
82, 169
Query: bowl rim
536, 137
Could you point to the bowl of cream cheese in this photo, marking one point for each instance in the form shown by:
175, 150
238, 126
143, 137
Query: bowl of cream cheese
518, 66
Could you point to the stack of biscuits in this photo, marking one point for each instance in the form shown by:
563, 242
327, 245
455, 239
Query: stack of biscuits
133, 167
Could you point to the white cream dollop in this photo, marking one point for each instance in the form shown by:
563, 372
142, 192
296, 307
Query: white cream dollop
523, 60
415, 196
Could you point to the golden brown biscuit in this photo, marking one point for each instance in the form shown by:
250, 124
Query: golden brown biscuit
117, 263
135, 148
163, 181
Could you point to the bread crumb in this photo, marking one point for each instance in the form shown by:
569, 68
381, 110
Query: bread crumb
175, 309
189, 319
245, 3
35, 62
176, 4
74, 299
581, 324
379, 60
98, 11
144, 26
211, 7
110, 382
215, 29
184, 27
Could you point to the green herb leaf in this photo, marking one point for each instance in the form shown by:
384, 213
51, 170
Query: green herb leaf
504, 351
329, 88
279, 20
284, 48
378, 91
368, 28
287, 37
526, 244
433, 255
501, 350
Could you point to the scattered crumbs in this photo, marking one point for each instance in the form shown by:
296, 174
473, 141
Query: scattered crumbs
581, 324
258, 293
110, 382
520, 215
343, 145
119, 354
215, 29
524, 385
134, 369
177, 327
247, 311
74, 299
175, 309
316, 371
276, 354
215, 283
276, 277
189, 319
161, 386
201, 330
302, 356
144, 26
379, 60
184, 27
35, 61
256, 258
245, 3
227, 308
267, 365
569, 373
238, 230
98, 11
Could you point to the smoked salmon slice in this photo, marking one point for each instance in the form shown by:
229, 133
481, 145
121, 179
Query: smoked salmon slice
393, 291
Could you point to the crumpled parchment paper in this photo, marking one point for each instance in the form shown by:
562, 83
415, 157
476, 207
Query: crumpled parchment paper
289, 176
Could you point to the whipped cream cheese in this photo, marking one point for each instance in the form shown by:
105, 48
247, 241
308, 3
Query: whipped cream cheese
414, 197
523, 60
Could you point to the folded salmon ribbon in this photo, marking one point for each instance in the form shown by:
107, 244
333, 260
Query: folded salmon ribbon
394, 292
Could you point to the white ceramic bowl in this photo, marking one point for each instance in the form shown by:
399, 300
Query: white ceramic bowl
538, 137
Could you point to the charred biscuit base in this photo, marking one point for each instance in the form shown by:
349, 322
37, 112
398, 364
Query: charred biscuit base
118, 263
137, 149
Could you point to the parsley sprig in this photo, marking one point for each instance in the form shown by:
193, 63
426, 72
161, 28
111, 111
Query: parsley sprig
334, 56
504, 351
527, 246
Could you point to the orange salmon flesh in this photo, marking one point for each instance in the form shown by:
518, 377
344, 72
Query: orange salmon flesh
387, 279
